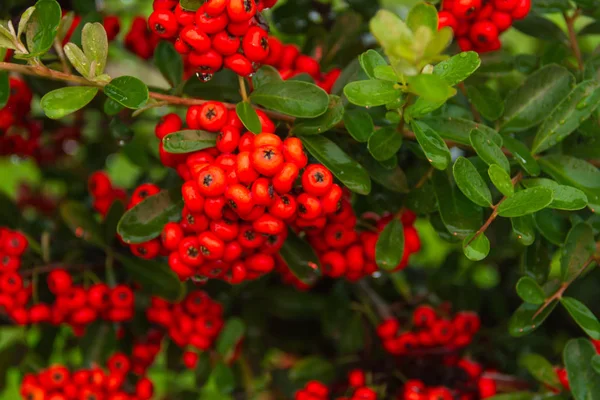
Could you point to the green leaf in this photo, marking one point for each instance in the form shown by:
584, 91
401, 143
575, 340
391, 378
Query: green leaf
386, 73
564, 197
295, 98
191, 5
249, 117
568, 115
522, 154
127, 91
359, 124
64, 101
458, 130
25, 17
389, 30
551, 225
6, 39
155, 277
422, 14
524, 229
111, 107
371, 93
584, 382
265, 74
535, 261
78, 59
42, 27
430, 87
4, 89
433, 145
460, 216
486, 101
540, 28
476, 249
596, 363
578, 248
541, 369
347, 170
369, 60
146, 220
169, 62
384, 143
82, 223
232, 333
458, 67
488, 150
532, 102
311, 368
109, 225
574, 172
189, 141
501, 180
530, 291
525, 202
513, 396
522, 322
471, 183
392, 179
95, 46
583, 316
323, 123
300, 258
390, 245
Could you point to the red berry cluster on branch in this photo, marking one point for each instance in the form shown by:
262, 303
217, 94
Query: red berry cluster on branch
141, 40
192, 324
428, 330
477, 24
59, 383
143, 353
357, 389
103, 192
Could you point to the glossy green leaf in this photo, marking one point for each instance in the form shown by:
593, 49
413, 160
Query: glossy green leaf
347, 170
249, 117
578, 248
433, 145
386, 73
529, 291
584, 317
359, 124
298, 99
94, 43
501, 180
188, 141
390, 245
460, 216
470, 182
458, 67
535, 261
422, 14
389, 29
371, 93
146, 220
541, 28
384, 143
369, 60
78, 59
191, 5
596, 363
532, 102
541, 369
577, 356
568, 115
392, 179
127, 91
155, 277
476, 248
486, 101
64, 101
81, 222
4, 89
430, 87
230, 335
42, 27
575, 172
169, 62
312, 368
25, 17
109, 225
265, 74
300, 258
111, 107
525, 202
522, 322
488, 150
522, 154
565, 197
524, 229
458, 129
323, 123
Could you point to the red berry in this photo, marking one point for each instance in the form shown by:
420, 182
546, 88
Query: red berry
483, 32
241, 10
196, 38
239, 64
163, 23
446, 18
466, 9
256, 44
225, 43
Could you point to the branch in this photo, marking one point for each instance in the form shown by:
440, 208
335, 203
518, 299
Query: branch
573, 37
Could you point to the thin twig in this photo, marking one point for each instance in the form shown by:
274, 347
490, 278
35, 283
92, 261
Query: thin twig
573, 37
243, 91
424, 178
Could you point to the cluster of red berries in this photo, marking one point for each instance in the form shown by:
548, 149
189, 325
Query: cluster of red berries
289, 61
141, 40
428, 329
144, 352
192, 324
221, 33
103, 192
484, 388
13, 293
477, 24
59, 383
357, 389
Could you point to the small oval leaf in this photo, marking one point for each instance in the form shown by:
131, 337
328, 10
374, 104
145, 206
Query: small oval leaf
249, 117
64, 101
322, 123
371, 93
295, 98
433, 145
530, 291
390, 245
489, 151
188, 141
359, 124
476, 248
300, 258
583, 316
471, 183
384, 143
501, 180
127, 91
525, 202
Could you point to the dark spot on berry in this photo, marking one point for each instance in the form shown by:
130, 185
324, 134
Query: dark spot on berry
285, 200
159, 28
204, 250
302, 209
210, 114
192, 251
249, 234
319, 177
248, 5
264, 43
232, 204
268, 154
207, 181
142, 250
